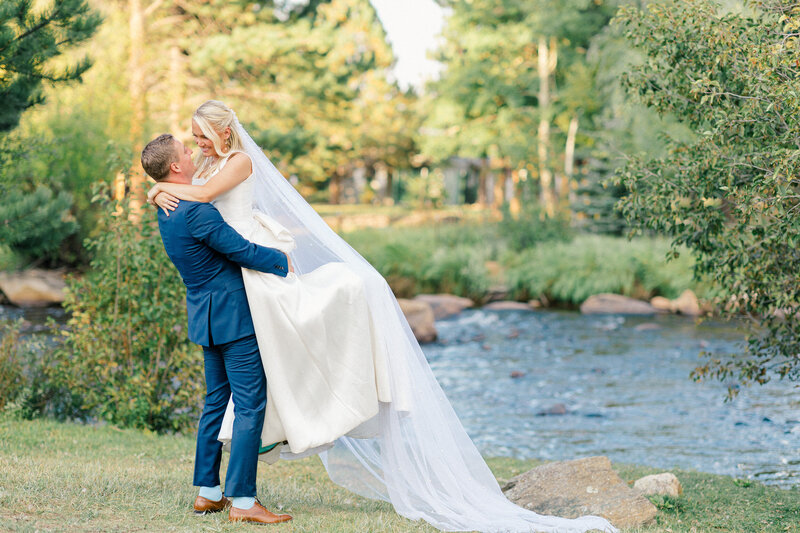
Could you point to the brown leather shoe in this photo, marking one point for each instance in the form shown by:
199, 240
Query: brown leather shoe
258, 514
204, 505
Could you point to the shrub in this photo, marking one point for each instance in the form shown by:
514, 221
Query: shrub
11, 375
571, 272
531, 227
35, 224
460, 270
443, 258
125, 354
48, 168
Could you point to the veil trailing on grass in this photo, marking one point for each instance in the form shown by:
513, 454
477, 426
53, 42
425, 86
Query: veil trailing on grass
415, 453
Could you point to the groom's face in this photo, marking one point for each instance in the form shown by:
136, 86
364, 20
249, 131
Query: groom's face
185, 159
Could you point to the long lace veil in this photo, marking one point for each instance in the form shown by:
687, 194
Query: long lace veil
420, 459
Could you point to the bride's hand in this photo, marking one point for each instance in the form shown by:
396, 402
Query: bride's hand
165, 201
152, 193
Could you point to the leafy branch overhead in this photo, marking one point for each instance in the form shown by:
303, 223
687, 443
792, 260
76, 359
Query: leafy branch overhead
730, 194
29, 39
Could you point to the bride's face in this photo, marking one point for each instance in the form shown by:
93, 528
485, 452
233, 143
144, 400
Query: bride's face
205, 144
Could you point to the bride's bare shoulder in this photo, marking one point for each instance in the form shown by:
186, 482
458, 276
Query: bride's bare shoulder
241, 160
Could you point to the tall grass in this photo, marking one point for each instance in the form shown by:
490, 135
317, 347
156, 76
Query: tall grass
570, 272
449, 257
530, 260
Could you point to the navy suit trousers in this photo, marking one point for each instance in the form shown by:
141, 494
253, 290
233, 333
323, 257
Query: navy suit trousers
232, 368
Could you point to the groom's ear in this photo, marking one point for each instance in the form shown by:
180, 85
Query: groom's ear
175, 167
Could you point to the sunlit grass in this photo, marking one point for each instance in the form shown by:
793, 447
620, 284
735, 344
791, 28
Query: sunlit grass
70, 477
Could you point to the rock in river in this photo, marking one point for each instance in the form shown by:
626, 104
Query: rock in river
420, 317
445, 305
33, 288
581, 487
507, 305
613, 304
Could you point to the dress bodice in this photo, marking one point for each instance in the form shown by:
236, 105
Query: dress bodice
236, 205
236, 208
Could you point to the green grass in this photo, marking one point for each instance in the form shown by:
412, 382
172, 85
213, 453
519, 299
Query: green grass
70, 477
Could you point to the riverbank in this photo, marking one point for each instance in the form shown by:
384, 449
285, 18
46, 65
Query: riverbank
69, 477
554, 267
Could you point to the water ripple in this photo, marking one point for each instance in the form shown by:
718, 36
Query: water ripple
626, 392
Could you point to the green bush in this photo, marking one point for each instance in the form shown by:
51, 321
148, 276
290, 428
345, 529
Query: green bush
48, 168
440, 258
11, 370
125, 354
25, 386
460, 270
532, 227
571, 272
35, 224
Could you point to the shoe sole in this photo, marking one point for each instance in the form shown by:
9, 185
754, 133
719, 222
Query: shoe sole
202, 513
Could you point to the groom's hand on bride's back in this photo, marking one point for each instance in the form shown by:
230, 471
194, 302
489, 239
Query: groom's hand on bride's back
289, 263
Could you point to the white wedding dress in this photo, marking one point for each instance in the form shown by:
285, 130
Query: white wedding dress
326, 369
414, 453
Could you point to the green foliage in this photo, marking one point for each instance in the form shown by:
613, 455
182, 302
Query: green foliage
29, 38
125, 354
445, 258
26, 389
532, 227
729, 194
11, 367
48, 167
329, 59
36, 224
570, 272
532, 257
486, 104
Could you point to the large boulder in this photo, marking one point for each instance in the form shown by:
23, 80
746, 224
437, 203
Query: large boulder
420, 317
665, 483
33, 288
577, 488
445, 305
685, 304
615, 304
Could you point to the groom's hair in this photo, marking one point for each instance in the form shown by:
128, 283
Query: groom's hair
158, 155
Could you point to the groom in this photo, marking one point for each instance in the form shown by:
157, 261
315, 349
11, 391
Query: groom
209, 255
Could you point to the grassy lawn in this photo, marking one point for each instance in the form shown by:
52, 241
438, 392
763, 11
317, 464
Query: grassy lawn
70, 477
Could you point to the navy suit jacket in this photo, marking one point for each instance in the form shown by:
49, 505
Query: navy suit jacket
208, 253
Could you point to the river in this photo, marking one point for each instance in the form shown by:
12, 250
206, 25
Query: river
624, 384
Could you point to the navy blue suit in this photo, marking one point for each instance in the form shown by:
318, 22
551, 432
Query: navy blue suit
209, 255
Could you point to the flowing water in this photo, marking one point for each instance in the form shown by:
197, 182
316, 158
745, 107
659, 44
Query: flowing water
622, 384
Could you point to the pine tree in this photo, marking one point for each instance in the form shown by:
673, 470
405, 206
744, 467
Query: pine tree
29, 38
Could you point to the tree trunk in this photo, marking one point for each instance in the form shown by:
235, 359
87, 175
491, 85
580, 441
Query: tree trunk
546, 66
500, 189
513, 200
335, 189
388, 196
482, 184
137, 89
177, 90
565, 189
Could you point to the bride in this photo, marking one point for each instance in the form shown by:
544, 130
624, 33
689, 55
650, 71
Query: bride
346, 377
325, 365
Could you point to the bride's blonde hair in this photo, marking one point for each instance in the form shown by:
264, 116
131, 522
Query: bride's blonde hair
213, 117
